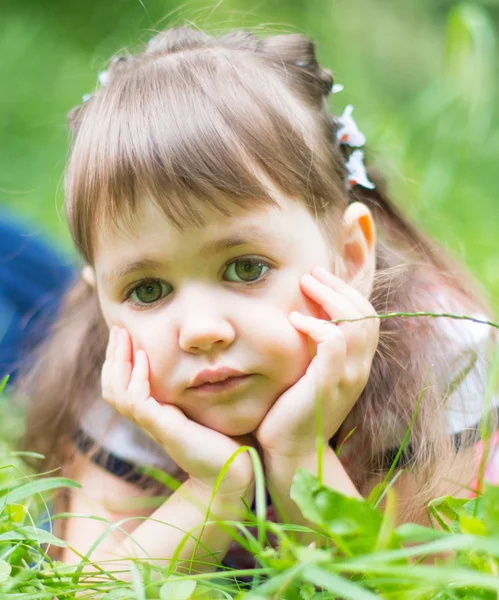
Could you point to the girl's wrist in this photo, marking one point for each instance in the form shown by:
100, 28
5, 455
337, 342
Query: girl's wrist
223, 505
282, 469
204, 491
271, 458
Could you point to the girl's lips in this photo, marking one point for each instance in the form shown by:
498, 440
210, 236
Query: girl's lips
221, 386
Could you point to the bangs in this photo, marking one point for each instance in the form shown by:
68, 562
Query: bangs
187, 133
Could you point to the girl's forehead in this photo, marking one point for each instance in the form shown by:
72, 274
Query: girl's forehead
149, 220
148, 231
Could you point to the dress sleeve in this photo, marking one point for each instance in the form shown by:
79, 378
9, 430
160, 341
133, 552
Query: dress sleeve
465, 373
461, 373
467, 400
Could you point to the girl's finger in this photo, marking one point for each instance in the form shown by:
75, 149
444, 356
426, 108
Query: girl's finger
317, 329
139, 383
333, 302
105, 383
361, 334
141, 367
339, 307
355, 297
331, 356
122, 364
111, 344
107, 365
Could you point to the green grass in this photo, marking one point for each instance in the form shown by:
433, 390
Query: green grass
359, 553
365, 555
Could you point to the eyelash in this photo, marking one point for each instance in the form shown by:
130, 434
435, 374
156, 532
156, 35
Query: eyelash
145, 305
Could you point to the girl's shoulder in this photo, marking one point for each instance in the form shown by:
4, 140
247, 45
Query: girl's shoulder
467, 348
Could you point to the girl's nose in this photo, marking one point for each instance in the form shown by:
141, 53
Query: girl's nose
204, 327
205, 334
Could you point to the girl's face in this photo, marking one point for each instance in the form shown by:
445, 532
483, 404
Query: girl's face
216, 296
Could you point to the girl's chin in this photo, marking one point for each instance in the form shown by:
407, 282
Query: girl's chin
234, 429
228, 423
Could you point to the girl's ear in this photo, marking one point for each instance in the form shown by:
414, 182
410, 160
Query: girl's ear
88, 275
359, 251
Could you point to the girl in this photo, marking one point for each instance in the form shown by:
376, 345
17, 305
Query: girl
224, 217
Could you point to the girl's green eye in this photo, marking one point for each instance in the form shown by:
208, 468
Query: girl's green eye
247, 269
149, 292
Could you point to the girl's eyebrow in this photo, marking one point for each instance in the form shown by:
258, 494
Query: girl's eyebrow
252, 234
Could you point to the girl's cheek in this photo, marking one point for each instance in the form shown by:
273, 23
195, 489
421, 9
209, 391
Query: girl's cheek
140, 341
113, 315
291, 298
158, 346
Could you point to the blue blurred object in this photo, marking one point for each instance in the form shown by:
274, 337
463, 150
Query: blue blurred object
33, 278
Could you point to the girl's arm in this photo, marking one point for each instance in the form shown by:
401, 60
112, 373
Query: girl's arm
338, 372
280, 472
107, 496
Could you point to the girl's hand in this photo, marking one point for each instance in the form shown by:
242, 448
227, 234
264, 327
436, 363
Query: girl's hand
336, 376
199, 451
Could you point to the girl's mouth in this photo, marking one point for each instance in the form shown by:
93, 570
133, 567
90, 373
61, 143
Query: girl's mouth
226, 385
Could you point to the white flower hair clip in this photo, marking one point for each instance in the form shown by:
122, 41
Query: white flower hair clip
348, 134
357, 174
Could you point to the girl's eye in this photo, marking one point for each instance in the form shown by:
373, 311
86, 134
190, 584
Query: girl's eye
149, 292
247, 269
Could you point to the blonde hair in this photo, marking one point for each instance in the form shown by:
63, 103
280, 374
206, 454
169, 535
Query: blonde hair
197, 120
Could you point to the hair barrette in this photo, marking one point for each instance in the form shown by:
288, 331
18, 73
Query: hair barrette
348, 134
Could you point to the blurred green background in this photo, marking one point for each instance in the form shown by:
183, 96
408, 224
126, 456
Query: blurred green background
422, 75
